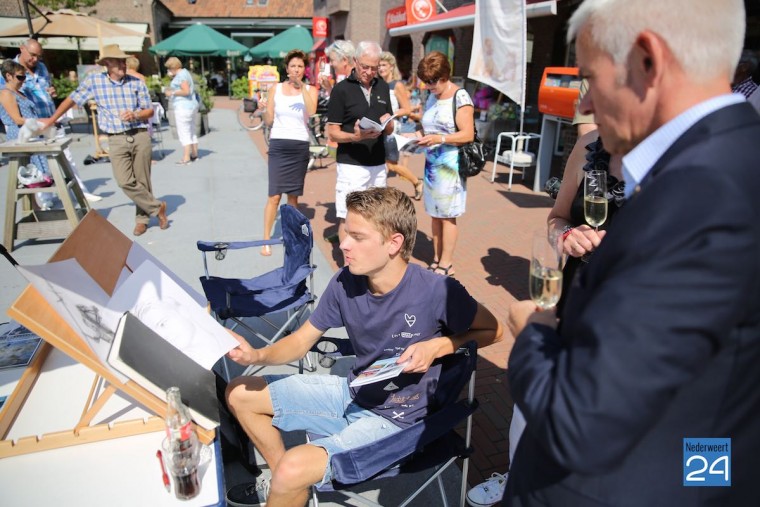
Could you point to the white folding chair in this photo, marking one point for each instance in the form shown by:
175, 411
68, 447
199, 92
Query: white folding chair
517, 155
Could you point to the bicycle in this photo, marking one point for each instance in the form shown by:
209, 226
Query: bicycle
250, 117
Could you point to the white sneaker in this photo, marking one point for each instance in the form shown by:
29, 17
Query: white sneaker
488, 493
92, 197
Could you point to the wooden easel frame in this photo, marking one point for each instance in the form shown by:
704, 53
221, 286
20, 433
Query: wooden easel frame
102, 251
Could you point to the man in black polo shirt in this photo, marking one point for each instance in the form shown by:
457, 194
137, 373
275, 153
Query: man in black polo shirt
361, 154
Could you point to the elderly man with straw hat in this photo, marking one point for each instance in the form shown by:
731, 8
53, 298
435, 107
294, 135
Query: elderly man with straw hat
124, 110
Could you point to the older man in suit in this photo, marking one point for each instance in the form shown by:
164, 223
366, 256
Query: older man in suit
659, 344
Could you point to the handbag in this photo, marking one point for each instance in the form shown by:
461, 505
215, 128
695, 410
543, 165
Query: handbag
472, 157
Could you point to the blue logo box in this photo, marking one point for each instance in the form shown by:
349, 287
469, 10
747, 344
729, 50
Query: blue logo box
707, 462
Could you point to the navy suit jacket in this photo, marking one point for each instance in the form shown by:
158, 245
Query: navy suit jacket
660, 339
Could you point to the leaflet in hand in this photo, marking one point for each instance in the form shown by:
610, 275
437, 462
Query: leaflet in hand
367, 124
379, 370
410, 145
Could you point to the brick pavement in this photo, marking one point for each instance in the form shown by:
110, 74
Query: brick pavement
491, 261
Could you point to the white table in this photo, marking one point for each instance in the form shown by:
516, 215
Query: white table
122, 471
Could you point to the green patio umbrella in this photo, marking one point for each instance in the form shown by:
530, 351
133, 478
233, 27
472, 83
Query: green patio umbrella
198, 40
296, 37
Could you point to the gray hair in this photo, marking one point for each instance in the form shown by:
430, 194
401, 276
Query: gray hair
342, 49
368, 48
705, 36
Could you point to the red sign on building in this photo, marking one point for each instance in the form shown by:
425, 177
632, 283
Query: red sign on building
319, 28
395, 17
418, 11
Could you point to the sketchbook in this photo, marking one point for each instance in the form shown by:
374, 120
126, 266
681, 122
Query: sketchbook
367, 124
382, 369
155, 364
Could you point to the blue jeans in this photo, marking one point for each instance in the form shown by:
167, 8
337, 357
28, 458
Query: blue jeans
322, 404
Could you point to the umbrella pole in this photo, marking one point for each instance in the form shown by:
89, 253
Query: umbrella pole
28, 18
79, 51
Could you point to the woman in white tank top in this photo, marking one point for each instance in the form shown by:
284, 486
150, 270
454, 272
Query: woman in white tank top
289, 105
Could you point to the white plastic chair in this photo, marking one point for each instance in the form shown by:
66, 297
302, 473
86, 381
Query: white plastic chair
517, 155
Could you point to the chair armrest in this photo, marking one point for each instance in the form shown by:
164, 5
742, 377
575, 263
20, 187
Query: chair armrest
216, 246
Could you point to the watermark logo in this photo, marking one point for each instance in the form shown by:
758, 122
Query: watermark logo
707, 462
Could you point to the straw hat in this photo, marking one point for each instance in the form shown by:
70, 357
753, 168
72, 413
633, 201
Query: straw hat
111, 51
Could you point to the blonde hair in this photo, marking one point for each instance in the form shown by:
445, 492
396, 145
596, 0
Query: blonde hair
390, 210
133, 63
173, 63
388, 57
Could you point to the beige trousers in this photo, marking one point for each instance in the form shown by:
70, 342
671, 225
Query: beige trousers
130, 158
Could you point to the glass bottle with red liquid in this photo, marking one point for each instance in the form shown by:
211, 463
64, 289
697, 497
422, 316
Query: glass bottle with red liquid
181, 447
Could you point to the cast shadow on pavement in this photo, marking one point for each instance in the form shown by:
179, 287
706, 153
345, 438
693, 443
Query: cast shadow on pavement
508, 271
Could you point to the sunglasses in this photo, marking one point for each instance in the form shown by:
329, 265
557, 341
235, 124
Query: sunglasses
21, 77
432, 82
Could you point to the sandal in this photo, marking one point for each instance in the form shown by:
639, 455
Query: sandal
266, 250
418, 190
440, 270
433, 266
182, 162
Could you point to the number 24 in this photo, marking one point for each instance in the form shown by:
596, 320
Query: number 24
694, 475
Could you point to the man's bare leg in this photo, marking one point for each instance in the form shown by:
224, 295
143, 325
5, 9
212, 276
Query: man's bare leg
294, 471
249, 401
297, 470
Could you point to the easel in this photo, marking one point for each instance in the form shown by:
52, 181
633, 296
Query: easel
99, 151
102, 251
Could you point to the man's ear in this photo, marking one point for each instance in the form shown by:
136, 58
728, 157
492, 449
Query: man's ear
395, 242
646, 59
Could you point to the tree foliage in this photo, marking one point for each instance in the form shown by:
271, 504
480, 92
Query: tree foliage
54, 5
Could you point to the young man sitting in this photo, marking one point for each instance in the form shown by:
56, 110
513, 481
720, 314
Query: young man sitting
388, 307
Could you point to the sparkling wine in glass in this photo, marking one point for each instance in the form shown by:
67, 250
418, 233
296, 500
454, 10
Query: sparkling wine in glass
595, 198
545, 283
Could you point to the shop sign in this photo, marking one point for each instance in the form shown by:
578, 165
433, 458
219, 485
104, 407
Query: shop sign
319, 28
395, 17
418, 11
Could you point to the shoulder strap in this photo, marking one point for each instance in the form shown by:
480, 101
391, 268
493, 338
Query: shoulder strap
454, 109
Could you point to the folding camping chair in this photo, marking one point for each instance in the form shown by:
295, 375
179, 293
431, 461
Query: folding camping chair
430, 444
285, 289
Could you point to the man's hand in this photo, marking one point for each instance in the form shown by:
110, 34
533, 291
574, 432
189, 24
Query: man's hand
523, 313
51, 91
242, 354
419, 356
130, 116
46, 123
362, 134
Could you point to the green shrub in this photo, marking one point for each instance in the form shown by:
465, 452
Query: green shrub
240, 88
63, 86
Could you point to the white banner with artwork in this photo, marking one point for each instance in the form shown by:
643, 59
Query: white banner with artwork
498, 46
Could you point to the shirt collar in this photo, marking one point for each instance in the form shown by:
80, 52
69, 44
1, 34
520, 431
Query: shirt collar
354, 78
640, 160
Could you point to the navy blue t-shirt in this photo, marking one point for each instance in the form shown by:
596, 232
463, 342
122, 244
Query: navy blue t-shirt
423, 306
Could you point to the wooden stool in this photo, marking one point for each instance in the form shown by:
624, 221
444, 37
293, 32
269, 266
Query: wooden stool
36, 223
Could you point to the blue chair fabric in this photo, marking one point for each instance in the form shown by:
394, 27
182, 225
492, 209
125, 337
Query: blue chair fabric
432, 443
282, 289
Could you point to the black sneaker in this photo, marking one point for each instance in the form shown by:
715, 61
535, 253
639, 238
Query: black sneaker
248, 493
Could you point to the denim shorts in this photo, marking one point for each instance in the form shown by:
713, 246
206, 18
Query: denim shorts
322, 404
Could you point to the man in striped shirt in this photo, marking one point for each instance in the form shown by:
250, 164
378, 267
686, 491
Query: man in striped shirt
124, 110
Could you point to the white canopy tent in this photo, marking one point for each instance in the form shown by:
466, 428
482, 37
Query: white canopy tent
127, 44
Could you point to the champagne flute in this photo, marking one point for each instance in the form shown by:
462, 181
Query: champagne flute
545, 281
595, 198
